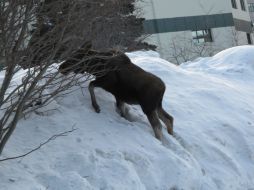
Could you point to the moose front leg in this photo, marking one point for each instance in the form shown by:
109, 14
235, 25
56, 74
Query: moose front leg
120, 107
123, 110
91, 87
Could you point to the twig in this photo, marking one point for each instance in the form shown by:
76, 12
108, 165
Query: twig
41, 145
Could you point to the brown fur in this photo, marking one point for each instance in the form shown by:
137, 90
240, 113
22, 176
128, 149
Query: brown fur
129, 84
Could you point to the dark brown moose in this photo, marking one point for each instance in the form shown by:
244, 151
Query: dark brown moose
126, 81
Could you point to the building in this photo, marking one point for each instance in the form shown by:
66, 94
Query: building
251, 9
186, 29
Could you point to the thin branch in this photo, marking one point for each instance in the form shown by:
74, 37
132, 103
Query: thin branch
41, 145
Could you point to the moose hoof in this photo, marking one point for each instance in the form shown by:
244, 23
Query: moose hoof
170, 131
158, 133
97, 110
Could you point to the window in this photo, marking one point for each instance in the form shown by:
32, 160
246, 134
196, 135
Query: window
251, 7
249, 38
202, 36
234, 5
243, 5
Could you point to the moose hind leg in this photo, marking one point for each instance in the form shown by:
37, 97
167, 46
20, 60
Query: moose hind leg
156, 125
167, 119
91, 87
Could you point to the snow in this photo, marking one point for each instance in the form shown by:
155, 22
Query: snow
212, 102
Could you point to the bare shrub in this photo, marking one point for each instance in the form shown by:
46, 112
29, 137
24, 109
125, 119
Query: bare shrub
183, 49
36, 34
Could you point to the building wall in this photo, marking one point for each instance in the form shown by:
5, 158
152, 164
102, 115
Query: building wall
239, 13
252, 17
251, 13
171, 23
180, 15
178, 8
162, 9
169, 44
242, 18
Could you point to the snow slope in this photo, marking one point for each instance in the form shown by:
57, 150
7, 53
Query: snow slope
212, 102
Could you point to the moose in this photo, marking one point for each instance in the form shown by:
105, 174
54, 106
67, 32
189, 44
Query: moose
128, 83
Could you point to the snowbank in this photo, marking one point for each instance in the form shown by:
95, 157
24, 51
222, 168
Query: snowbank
213, 147
232, 61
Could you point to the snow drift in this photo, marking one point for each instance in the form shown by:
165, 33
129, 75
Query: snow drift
212, 102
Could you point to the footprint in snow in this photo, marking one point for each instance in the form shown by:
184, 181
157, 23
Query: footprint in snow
179, 146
